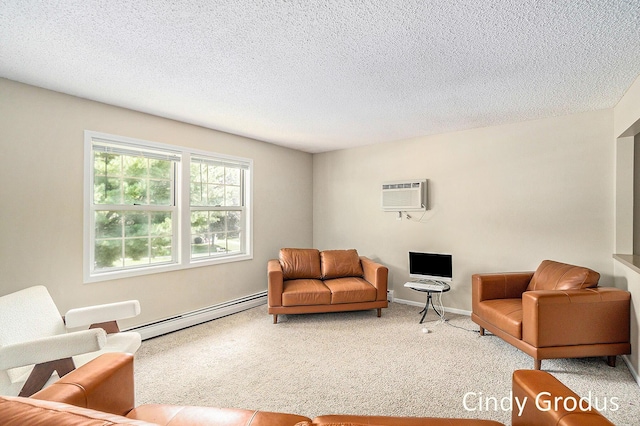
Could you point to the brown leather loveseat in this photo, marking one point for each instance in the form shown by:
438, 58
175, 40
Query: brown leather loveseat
558, 311
101, 392
306, 281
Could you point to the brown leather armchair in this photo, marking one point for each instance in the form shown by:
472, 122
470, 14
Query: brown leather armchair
558, 311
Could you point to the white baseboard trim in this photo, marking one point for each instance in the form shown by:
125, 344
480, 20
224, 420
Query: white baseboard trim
188, 319
421, 304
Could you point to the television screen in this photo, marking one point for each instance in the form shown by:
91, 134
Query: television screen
430, 266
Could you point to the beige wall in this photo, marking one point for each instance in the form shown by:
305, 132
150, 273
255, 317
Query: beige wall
627, 131
636, 195
627, 112
41, 175
502, 198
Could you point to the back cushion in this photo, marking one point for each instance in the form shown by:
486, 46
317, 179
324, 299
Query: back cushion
340, 263
552, 275
300, 263
34, 412
25, 315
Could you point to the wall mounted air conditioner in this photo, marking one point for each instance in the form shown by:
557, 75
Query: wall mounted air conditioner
407, 195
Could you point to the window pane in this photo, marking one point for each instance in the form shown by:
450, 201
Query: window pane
233, 242
135, 166
232, 176
199, 246
216, 174
220, 242
215, 195
107, 164
160, 169
161, 224
106, 190
232, 196
197, 173
160, 192
108, 224
161, 249
108, 254
233, 221
217, 221
199, 222
135, 191
136, 251
136, 224
197, 194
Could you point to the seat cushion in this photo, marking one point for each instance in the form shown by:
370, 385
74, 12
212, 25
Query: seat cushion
506, 314
552, 275
300, 263
124, 341
340, 263
305, 292
189, 415
350, 290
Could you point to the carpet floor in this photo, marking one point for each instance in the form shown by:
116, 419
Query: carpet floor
356, 363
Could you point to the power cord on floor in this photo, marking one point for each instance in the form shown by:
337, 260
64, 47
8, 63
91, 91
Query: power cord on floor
442, 319
463, 328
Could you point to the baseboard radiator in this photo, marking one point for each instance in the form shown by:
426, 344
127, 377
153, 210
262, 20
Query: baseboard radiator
188, 319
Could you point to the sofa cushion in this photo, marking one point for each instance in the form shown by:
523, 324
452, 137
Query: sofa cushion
350, 290
552, 275
360, 420
305, 292
506, 314
300, 263
34, 412
340, 263
162, 414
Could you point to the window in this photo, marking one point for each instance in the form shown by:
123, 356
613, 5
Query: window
217, 208
152, 207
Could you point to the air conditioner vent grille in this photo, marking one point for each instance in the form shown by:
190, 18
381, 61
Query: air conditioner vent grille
404, 196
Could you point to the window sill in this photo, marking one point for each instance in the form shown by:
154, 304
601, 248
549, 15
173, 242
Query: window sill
629, 260
115, 275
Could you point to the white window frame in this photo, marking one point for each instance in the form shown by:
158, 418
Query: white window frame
181, 212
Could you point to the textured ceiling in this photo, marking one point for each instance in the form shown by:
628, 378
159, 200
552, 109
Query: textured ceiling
325, 75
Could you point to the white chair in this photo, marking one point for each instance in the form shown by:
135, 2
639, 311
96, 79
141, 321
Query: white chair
35, 342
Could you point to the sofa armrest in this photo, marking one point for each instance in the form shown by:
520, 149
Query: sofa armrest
376, 274
509, 285
538, 399
587, 316
103, 384
274, 282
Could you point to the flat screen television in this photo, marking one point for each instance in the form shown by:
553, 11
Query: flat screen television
430, 266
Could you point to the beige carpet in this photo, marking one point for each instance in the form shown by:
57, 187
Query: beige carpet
357, 363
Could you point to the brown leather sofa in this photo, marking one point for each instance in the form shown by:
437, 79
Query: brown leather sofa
306, 281
558, 311
101, 392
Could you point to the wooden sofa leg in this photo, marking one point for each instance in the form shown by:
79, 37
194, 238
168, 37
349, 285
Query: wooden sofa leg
611, 360
41, 373
537, 364
481, 331
379, 312
275, 318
